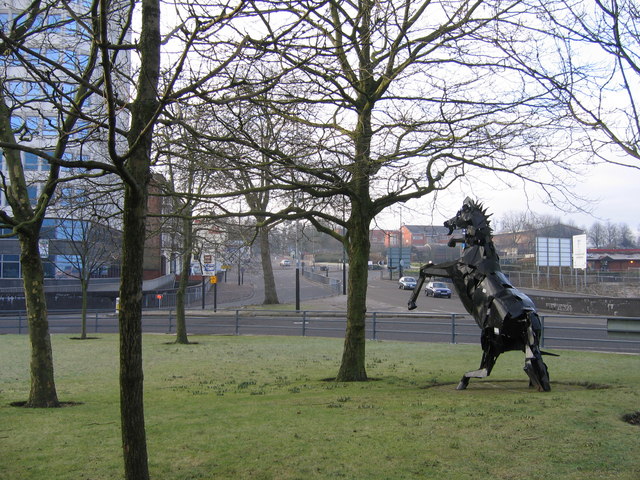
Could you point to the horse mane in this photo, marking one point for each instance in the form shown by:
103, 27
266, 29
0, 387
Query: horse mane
482, 227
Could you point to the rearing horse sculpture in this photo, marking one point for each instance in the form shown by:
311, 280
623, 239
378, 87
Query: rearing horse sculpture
507, 317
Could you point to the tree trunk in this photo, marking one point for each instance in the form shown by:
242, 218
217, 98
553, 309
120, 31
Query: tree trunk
270, 292
352, 368
43, 389
138, 165
358, 246
187, 246
130, 318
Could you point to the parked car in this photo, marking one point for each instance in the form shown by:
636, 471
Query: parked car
437, 289
285, 263
407, 283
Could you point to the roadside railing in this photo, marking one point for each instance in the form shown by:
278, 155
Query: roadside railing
559, 331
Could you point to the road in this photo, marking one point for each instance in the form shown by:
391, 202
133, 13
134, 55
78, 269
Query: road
323, 314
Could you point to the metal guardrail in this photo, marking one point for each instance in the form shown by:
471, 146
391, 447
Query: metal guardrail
559, 331
325, 279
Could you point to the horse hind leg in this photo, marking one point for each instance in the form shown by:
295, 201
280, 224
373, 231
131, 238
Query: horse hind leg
534, 367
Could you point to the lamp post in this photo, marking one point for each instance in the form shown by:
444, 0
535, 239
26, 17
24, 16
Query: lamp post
297, 255
400, 261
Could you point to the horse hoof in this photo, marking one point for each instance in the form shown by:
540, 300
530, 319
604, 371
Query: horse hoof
463, 384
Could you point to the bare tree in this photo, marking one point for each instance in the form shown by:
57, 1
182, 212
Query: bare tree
91, 246
596, 235
185, 179
626, 236
611, 235
44, 86
397, 100
595, 72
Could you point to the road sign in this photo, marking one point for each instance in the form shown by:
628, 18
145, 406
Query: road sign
580, 251
213, 279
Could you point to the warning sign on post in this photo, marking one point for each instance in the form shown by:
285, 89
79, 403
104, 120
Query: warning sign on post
213, 279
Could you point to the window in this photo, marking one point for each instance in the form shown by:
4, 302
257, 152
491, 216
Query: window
33, 194
50, 126
32, 124
72, 230
44, 164
10, 266
48, 230
31, 162
16, 124
54, 21
51, 55
67, 265
71, 26
83, 61
32, 91
48, 89
81, 131
16, 89
67, 59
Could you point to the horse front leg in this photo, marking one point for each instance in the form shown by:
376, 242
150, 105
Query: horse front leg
429, 270
490, 353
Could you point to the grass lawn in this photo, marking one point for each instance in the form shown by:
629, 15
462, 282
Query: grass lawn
262, 408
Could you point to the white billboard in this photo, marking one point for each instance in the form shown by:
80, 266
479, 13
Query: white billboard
580, 251
553, 252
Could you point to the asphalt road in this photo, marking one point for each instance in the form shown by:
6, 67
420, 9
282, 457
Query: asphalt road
323, 314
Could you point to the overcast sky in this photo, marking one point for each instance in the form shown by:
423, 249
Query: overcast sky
614, 191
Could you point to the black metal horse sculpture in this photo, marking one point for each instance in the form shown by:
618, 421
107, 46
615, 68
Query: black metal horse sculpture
507, 317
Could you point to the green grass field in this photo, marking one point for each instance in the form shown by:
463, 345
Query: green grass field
263, 408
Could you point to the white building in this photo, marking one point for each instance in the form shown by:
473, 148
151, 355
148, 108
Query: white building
46, 78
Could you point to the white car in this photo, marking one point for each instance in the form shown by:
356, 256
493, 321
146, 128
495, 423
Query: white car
285, 263
407, 283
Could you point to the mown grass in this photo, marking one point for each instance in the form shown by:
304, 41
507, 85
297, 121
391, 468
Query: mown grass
263, 408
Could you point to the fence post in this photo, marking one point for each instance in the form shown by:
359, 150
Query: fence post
170, 320
541, 331
453, 328
95, 326
19, 323
237, 322
373, 321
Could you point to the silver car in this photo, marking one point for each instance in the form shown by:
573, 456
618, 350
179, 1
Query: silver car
407, 283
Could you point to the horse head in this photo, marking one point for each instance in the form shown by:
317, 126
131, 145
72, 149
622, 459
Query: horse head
473, 218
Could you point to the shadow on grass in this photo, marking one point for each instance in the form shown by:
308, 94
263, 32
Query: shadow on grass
60, 405
516, 385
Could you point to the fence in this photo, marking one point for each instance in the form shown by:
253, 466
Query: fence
594, 282
559, 331
334, 284
167, 298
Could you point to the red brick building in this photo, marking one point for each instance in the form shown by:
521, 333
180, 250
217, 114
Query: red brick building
613, 259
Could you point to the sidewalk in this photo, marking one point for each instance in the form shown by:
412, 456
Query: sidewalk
339, 302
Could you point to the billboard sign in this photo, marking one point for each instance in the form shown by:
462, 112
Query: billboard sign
553, 252
580, 251
397, 256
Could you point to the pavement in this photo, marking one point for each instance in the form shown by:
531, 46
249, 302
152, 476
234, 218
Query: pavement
232, 295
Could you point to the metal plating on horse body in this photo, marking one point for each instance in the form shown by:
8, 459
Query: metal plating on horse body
507, 317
